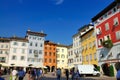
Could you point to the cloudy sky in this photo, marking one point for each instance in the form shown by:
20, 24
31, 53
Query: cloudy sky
59, 19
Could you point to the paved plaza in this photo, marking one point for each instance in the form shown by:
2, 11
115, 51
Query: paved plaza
49, 76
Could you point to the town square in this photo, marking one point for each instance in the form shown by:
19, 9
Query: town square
60, 40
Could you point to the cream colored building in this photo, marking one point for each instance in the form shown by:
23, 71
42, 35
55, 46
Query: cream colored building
77, 49
18, 52
4, 50
62, 56
70, 56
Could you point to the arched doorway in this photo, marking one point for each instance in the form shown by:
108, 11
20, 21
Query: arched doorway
105, 68
117, 66
48, 68
52, 68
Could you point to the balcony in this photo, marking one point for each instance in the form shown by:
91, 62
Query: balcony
107, 44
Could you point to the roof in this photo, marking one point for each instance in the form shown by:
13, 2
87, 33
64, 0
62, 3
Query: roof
85, 26
87, 32
4, 39
49, 42
18, 39
61, 45
112, 5
36, 33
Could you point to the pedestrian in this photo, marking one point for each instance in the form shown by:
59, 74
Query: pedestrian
21, 74
27, 75
1, 78
14, 74
77, 75
73, 73
38, 72
118, 75
58, 73
67, 74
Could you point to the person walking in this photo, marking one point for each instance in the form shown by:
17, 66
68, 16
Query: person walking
58, 73
27, 76
73, 73
21, 74
77, 75
67, 74
1, 78
118, 75
14, 74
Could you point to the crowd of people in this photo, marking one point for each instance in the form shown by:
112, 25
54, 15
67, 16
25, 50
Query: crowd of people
37, 73
20, 73
74, 73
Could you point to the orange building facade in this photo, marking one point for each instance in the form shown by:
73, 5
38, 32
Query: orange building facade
50, 56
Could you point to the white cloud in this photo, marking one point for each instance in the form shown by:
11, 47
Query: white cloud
58, 2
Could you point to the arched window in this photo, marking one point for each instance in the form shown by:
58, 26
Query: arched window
62, 56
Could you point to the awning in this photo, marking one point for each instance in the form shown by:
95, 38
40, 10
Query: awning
4, 64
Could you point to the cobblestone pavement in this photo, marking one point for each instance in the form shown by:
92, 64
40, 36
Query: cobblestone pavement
50, 76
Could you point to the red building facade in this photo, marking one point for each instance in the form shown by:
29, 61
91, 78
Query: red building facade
107, 26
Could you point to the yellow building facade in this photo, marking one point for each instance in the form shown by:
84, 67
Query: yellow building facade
88, 43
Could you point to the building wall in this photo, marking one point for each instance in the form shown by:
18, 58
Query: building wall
77, 49
36, 50
4, 52
62, 58
70, 57
50, 55
112, 29
89, 48
18, 51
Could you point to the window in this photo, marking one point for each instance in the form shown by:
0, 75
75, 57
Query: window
31, 44
49, 53
1, 46
86, 57
23, 50
14, 57
98, 31
23, 44
54, 54
1, 52
45, 60
62, 56
14, 50
30, 51
54, 61
116, 22
106, 37
45, 53
58, 50
62, 50
22, 58
63, 61
6, 46
95, 57
58, 56
106, 26
90, 56
100, 42
114, 9
40, 45
50, 60
6, 52
40, 51
58, 61
118, 35
35, 44
105, 16
15, 43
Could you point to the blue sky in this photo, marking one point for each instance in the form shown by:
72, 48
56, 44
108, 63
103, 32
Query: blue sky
59, 19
